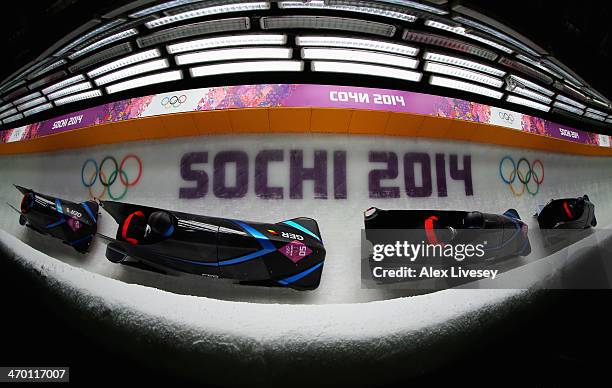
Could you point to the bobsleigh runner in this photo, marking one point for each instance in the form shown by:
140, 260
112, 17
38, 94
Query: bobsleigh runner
502, 236
567, 213
73, 223
285, 254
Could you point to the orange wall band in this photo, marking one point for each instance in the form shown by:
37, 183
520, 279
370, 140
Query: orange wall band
298, 120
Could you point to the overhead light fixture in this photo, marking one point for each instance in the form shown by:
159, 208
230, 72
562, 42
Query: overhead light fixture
531, 85
27, 98
327, 23
207, 11
538, 64
518, 66
70, 90
365, 69
594, 116
357, 43
566, 75
102, 56
450, 60
458, 72
103, 42
228, 41
596, 112
31, 103
157, 78
48, 68
528, 93
131, 71
246, 67
569, 90
89, 35
12, 118
5, 107
194, 29
449, 43
528, 103
160, 7
567, 100
498, 34
78, 97
234, 54
126, 61
8, 113
459, 30
64, 83
568, 108
338, 54
364, 8
416, 5
464, 86
38, 109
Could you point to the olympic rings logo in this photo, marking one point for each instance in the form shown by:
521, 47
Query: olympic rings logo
506, 117
173, 102
108, 180
529, 175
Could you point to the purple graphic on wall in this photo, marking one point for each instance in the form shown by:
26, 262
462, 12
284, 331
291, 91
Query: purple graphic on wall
302, 95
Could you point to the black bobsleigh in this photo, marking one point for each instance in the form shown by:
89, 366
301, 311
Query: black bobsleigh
73, 223
568, 213
502, 236
286, 254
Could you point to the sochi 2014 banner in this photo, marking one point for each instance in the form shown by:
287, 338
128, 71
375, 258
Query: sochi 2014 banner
301, 95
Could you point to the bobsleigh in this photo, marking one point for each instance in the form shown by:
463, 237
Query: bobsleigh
73, 223
502, 235
568, 213
286, 254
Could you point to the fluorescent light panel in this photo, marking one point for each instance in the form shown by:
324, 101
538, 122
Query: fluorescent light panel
8, 113
12, 118
416, 5
464, 86
89, 35
78, 97
47, 69
328, 23
453, 71
64, 83
246, 67
528, 103
70, 90
145, 81
594, 116
349, 55
126, 61
131, 71
568, 108
228, 41
234, 54
450, 60
27, 98
365, 9
207, 11
38, 109
596, 112
449, 43
161, 7
531, 85
194, 29
31, 103
102, 56
357, 43
103, 42
461, 31
366, 69
530, 94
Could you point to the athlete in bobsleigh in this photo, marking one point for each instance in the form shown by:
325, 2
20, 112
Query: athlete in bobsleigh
568, 213
502, 236
73, 223
286, 254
